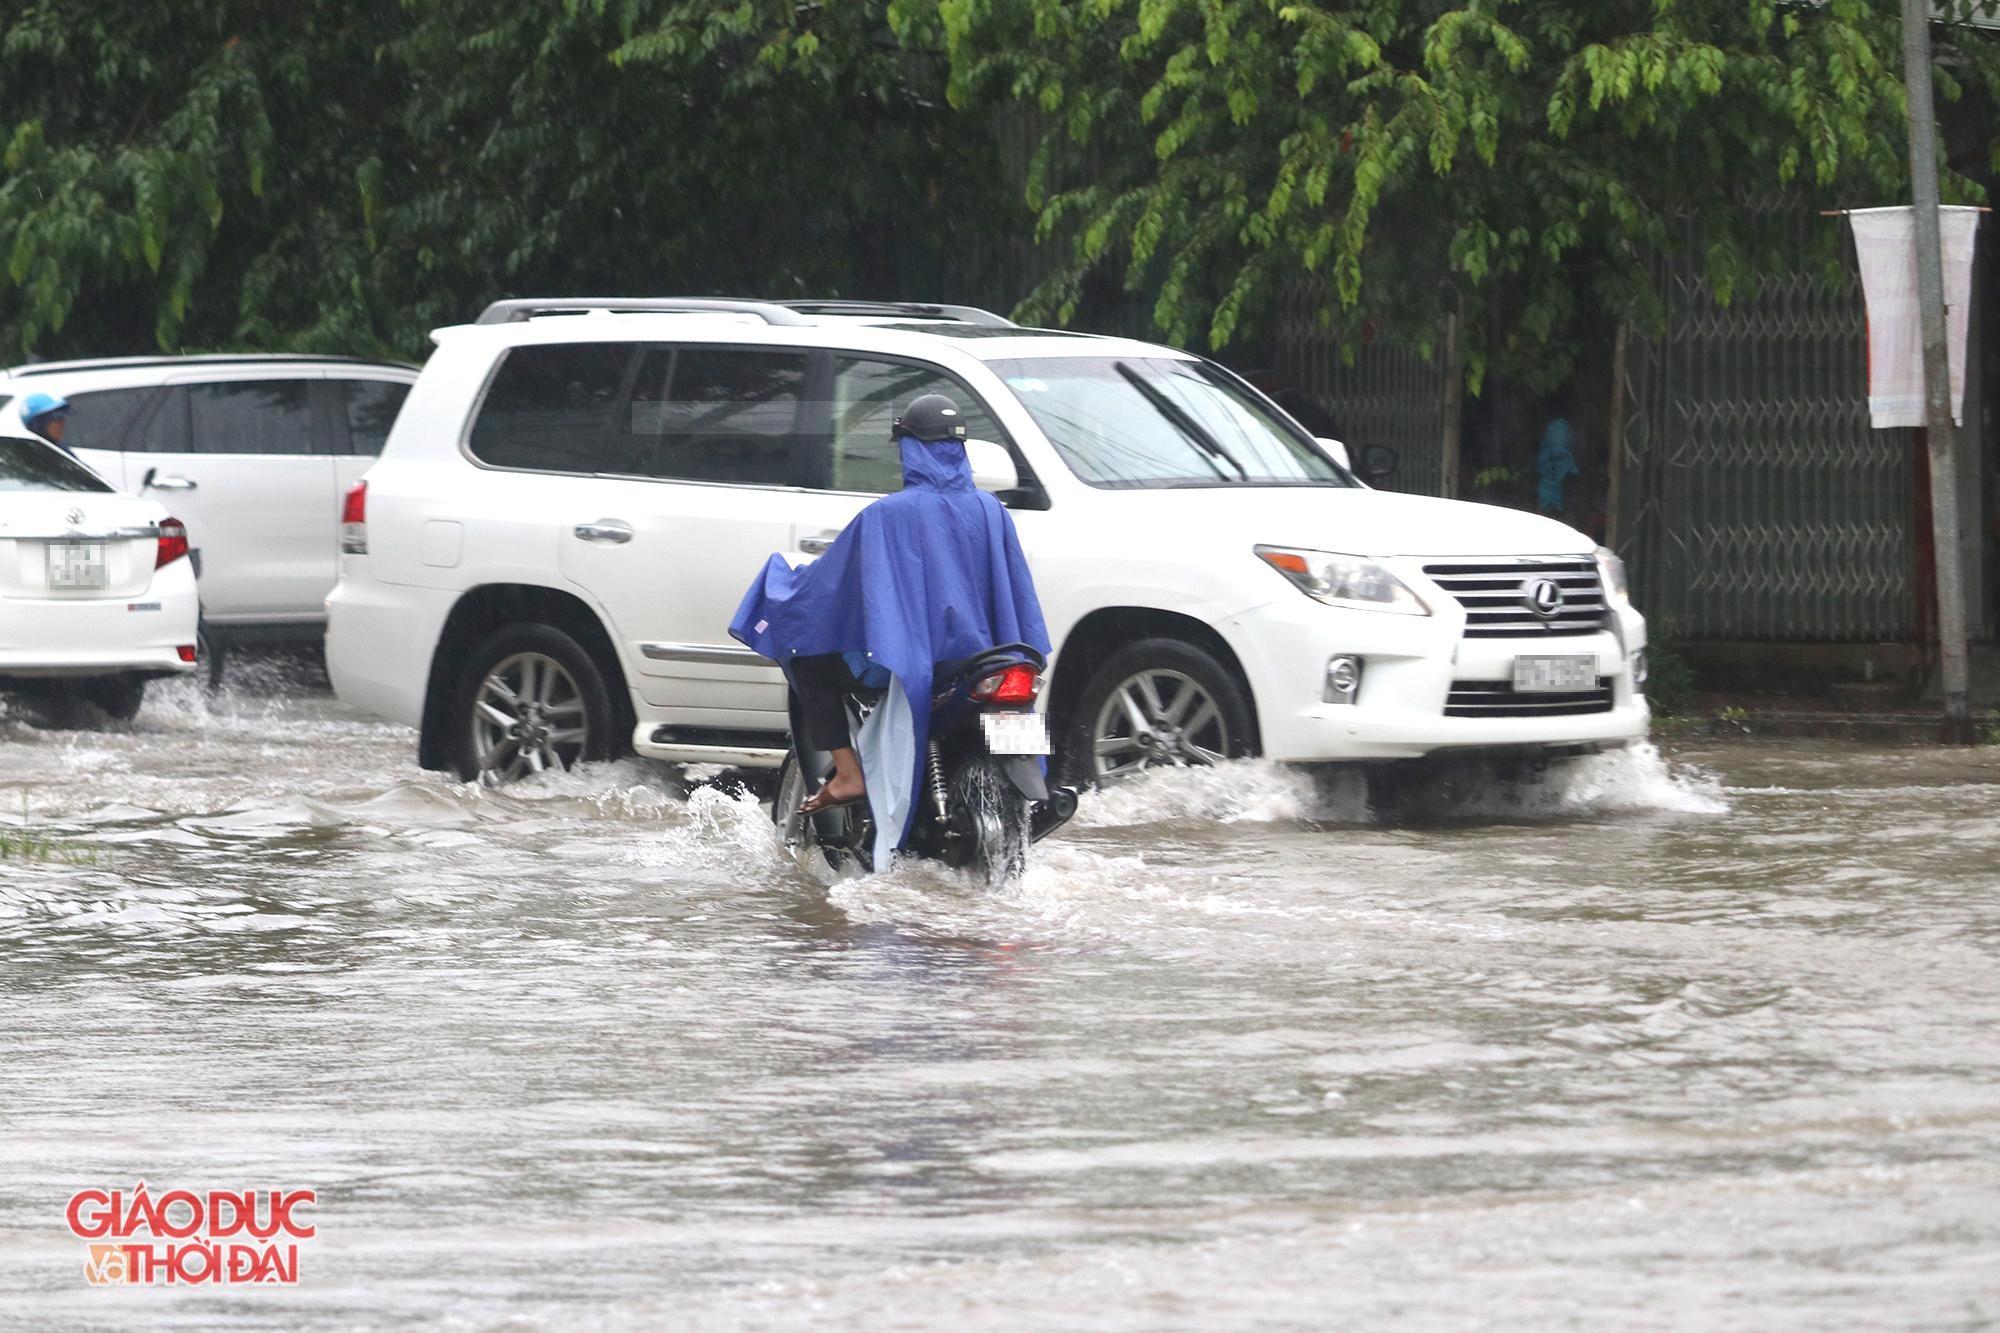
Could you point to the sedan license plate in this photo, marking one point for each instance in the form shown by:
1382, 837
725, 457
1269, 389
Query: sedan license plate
1016, 733
78, 566
1555, 675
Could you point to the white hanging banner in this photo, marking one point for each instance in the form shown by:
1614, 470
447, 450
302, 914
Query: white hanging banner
1886, 240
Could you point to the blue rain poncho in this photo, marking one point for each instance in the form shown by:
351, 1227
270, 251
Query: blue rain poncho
1556, 464
932, 573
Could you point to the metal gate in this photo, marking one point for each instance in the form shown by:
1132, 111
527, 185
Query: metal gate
1391, 394
1756, 502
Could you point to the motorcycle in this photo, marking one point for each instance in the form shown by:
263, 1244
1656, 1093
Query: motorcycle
985, 796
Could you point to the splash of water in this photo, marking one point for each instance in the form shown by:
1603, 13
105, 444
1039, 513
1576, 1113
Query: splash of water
1252, 791
1634, 780
1637, 779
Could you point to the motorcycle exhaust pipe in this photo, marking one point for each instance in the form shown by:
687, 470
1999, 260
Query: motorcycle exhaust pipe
1053, 813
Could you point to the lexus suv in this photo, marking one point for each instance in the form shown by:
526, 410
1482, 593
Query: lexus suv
541, 566
253, 452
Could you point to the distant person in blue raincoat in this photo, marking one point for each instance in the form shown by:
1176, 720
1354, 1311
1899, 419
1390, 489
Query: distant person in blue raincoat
933, 573
1556, 464
47, 416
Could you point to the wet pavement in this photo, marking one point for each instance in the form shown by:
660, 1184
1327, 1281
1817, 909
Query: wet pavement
1704, 1039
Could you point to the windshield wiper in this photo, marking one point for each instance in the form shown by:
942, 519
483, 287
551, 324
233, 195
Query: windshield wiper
1186, 424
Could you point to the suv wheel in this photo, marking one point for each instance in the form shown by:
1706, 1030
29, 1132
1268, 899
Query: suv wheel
1157, 703
530, 700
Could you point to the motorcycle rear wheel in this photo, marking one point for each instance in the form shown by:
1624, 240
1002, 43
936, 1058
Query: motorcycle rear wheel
996, 820
800, 834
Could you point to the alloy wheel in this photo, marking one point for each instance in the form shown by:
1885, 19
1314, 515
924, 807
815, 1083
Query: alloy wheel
1158, 718
528, 717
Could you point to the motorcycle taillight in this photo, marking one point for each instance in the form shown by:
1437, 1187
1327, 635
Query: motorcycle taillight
1018, 684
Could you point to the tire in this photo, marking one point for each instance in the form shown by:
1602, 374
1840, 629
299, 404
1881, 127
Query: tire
1136, 712
997, 818
529, 699
119, 697
799, 834
60, 709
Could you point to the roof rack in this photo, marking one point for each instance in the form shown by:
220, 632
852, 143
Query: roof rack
510, 312
964, 314
206, 358
771, 312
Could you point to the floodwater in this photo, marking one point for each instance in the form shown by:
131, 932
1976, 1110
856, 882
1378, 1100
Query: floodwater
1703, 1040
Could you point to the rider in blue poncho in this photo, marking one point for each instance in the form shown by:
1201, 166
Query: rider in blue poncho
930, 574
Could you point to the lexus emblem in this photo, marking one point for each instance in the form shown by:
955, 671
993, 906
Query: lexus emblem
1542, 596
73, 517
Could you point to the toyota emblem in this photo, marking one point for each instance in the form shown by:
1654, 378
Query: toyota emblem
1542, 596
73, 517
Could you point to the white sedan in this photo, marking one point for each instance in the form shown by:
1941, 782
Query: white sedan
97, 593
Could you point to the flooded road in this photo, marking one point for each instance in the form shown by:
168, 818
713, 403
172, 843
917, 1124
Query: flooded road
1706, 1040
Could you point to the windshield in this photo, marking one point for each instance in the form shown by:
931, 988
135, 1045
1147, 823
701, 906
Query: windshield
31, 465
1156, 422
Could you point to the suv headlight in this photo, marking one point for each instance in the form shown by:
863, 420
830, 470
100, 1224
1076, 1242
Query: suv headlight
1352, 581
1611, 570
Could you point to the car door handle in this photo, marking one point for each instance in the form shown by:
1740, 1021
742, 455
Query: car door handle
818, 545
155, 482
605, 530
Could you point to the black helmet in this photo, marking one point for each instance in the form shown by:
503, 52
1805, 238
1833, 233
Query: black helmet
931, 417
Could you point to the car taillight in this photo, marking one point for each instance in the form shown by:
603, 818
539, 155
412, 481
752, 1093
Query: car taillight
1018, 684
173, 542
354, 520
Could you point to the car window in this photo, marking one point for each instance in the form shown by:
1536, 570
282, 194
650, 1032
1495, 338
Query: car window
251, 417
1160, 421
98, 419
371, 409
164, 430
34, 465
549, 408
716, 414
867, 396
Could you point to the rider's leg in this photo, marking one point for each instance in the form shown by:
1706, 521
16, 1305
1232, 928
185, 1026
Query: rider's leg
822, 683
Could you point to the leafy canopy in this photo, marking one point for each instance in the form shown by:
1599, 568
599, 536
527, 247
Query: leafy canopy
347, 174
1419, 157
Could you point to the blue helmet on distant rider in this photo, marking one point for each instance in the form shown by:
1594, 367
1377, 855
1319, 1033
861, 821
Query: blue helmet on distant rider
38, 409
930, 418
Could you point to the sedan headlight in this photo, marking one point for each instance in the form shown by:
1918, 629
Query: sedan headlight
1611, 570
1352, 581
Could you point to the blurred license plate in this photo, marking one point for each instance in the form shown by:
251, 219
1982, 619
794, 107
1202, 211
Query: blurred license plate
77, 566
1555, 675
1016, 733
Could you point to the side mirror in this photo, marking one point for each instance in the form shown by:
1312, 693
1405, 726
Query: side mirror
992, 466
1338, 450
1378, 464
146, 483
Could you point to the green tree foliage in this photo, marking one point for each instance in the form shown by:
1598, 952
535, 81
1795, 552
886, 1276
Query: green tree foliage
347, 174
1425, 156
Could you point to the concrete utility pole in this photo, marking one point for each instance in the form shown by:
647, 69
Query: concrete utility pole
1937, 370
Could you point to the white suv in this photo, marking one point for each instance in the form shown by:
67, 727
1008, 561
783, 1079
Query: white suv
254, 453
542, 565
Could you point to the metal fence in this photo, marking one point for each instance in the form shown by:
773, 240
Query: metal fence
1757, 503
1390, 395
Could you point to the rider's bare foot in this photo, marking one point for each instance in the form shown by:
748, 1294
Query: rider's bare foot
831, 797
845, 787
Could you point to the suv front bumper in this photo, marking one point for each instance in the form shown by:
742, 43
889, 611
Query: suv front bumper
1411, 665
